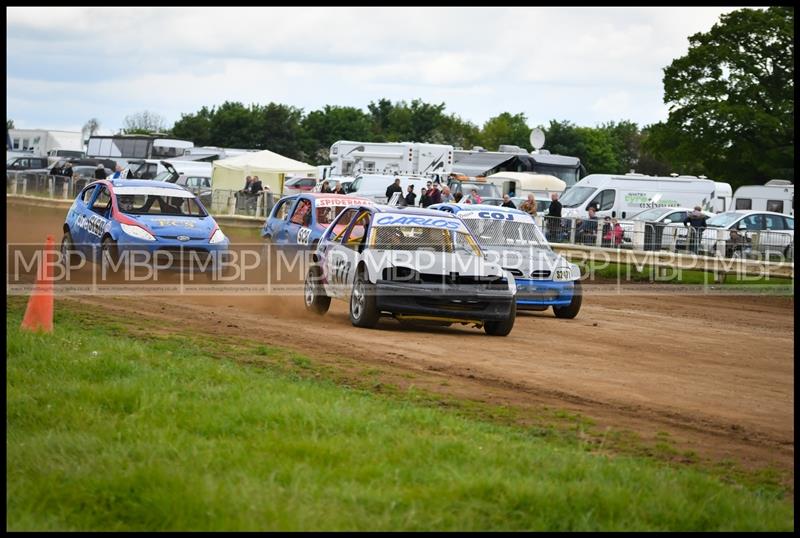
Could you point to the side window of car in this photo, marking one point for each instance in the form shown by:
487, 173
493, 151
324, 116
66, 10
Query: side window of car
86, 195
774, 222
789, 223
336, 231
678, 216
101, 201
302, 209
753, 222
358, 231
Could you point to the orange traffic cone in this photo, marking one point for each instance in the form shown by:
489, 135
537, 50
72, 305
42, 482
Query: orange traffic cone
39, 313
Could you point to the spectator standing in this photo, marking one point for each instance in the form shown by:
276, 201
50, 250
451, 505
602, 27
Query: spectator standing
586, 230
338, 189
325, 187
424, 200
475, 197
555, 206
435, 195
68, 171
696, 220
507, 202
411, 196
457, 197
529, 205
393, 188
100, 172
446, 196
57, 169
118, 173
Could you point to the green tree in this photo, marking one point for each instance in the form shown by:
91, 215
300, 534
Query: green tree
321, 128
506, 129
731, 100
145, 122
277, 127
195, 127
9, 124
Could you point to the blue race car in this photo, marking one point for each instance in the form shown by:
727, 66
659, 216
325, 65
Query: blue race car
511, 238
301, 219
125, 218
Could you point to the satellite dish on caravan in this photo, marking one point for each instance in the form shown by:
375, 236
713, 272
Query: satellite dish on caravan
537, 139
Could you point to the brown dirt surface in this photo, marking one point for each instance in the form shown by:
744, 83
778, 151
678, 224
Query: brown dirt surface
714, 371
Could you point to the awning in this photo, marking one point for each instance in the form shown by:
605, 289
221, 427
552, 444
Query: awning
477, 164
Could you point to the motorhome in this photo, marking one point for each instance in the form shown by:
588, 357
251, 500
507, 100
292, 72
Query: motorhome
525, 183
776, 195
350, 158
123, 148
625, 195
46, 142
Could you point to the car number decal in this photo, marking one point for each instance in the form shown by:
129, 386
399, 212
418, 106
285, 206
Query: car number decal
303, 235
93, 224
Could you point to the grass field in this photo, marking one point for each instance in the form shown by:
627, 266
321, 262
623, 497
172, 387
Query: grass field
107, 431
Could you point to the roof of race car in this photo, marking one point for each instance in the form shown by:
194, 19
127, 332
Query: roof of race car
333, 198
477, 207
407, 210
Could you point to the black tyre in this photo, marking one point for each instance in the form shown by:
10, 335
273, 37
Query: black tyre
363, 308
109, 254
67, 250
313, 294
502, 328
572, 309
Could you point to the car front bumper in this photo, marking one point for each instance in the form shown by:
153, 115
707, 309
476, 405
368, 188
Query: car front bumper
446, 301
537, 293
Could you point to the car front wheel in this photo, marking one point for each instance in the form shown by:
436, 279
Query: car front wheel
572, 309
502, 328
363, 308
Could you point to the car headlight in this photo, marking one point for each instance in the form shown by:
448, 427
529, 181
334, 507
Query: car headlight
218, 237
137, 231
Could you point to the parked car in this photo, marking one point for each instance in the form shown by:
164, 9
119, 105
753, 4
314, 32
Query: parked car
669, 221
26, 163
296, 185
737, 233
412, 264
301, 219
113, 217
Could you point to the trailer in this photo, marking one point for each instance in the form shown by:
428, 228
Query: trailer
46, 142
776, 195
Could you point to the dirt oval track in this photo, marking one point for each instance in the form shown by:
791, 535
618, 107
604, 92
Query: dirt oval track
714, 371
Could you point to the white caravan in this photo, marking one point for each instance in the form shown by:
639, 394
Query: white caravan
350, 158
521, 184
777, 195
45, 142
626, 195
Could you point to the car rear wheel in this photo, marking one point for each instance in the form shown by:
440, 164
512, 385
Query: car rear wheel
502, 328
313, 294
572, 309
363, 309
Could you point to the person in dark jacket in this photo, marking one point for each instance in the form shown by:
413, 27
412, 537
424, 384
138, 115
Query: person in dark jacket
434, 195
424, 200
696, 220
556, 228
411, 196
100, 172
555, 206
325, 187
393, 188
338, 189
507, 202
67, 171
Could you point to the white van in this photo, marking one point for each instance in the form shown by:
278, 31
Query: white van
521, 184
623, 196
777, 195
373, 186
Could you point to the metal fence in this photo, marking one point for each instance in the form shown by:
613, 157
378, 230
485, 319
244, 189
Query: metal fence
671, 237
219, 202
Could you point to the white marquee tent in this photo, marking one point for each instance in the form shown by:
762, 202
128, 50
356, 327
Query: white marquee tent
271, 168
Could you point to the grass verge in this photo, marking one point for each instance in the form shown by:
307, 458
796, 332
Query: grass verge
110, 431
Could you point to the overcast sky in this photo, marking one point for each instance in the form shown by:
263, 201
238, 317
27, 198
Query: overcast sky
585, 65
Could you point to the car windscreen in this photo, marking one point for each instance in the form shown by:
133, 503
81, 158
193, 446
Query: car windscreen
723, 220
575, 196
159, 204
424, 238
488, 190
495, 232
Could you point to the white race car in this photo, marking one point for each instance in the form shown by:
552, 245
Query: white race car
412, 264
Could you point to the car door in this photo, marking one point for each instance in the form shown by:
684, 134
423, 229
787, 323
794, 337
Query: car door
76, 216
352, 246
96, 217
335, 255
278, 219
775, 237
